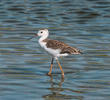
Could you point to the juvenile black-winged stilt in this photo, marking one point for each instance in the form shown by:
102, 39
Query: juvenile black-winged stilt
55, 48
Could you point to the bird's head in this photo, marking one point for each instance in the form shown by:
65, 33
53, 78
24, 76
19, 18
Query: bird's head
41, 33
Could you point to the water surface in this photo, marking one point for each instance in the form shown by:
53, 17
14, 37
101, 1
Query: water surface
84, 24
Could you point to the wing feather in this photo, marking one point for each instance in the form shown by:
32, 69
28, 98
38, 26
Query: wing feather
65, 48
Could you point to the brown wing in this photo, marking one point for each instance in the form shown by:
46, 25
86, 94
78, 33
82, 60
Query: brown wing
55, 44
70, 50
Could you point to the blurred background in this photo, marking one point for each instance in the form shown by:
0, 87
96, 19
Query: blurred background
84, 24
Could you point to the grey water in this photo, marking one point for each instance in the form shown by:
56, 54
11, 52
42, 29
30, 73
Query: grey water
84, 24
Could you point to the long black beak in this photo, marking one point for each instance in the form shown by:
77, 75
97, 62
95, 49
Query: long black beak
32, 37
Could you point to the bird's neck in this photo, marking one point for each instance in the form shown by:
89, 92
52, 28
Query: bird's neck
43, 38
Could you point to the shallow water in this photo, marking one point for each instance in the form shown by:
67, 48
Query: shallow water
84, 24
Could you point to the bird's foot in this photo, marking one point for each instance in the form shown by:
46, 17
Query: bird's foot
49, 74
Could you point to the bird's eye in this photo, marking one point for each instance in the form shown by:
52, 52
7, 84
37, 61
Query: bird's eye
41, 32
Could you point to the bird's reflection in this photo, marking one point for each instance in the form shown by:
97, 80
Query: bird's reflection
56, 85
57, 90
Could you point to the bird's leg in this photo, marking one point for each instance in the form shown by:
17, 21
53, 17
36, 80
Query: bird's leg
49, 73
60, 67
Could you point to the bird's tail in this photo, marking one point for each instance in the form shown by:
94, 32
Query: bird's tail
78, 52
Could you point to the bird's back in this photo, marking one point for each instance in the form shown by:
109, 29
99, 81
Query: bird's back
65, 48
